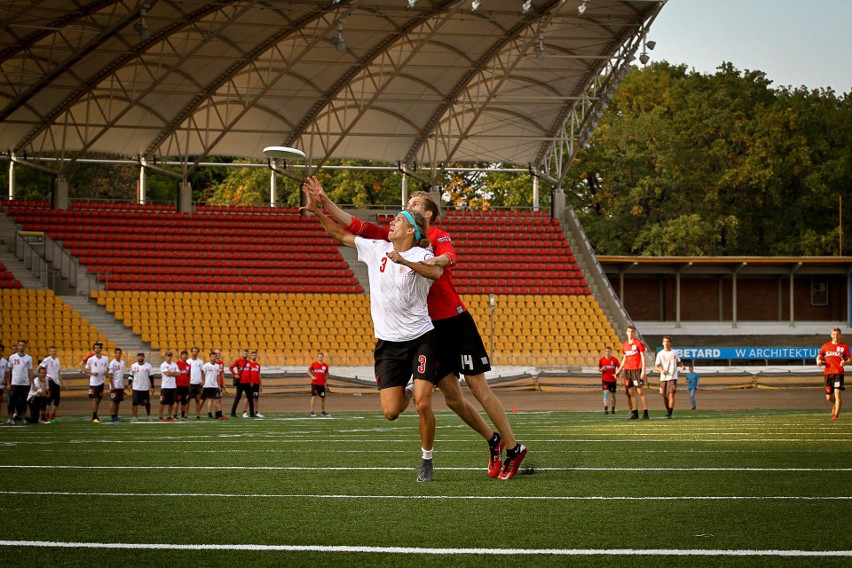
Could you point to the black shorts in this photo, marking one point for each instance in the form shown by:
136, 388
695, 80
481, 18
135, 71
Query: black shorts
633, 378
255, 390
212, 392
318, 390
96, 391
608, 386
195, 391
53, 393
397, 361
167, 396
141, 398
182, 395
833, 383
460, 347
116, 395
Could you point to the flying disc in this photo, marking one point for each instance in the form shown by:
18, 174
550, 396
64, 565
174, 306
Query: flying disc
284, 153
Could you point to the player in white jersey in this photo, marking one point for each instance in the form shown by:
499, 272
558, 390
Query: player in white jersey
168, 387
96, 366
54, 382
668, 363
214, 386
20, 382
196, 380
116, 385
4, 378
141, 385
407, 343
37, 398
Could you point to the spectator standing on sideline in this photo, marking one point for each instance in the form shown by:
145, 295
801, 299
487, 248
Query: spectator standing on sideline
256, 387
833, 355
242, 381
54, 382
668, 363
318, 372
141, 386
20, 382
4, 380
196, 381
692, 379
116, 386
168, 387
182, 385
607, 366
96, 366
462, 351
633, 366
214, 386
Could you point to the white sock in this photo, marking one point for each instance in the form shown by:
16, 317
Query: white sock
427, 454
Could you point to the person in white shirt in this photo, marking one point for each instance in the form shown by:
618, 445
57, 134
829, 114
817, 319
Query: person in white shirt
4, 378
20, 382
667, 364
96, 366
116, 386
37, 398
196, 380
214, 386
168, 387
52, 365
406, 341
141, 385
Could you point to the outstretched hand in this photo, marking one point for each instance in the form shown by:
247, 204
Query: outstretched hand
310, 202
315, 188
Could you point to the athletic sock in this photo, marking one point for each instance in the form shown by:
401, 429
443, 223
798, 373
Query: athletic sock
512, 451
427, 454
494, 441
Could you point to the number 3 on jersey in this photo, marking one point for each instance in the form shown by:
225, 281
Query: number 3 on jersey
383, 264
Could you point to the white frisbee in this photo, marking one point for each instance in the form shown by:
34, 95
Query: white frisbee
284, 153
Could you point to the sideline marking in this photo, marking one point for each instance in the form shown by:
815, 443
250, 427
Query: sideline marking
375, 468
439, 497
433, 551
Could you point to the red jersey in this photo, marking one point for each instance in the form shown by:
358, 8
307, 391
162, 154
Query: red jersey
443, 300
633, 354
319, 372
832, 354
254, 372
607, 367
239, 369
182, 380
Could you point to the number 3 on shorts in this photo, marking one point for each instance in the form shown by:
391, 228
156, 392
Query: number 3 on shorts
421, 368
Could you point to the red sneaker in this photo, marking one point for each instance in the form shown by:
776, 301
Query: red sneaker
834, 417
223, 418
170, 419
513, 463
495, 459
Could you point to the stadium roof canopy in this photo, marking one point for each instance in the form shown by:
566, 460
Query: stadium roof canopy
410, 81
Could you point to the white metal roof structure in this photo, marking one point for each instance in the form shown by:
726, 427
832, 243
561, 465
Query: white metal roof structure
408, 81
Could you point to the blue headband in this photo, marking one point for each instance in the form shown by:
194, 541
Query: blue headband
410, 218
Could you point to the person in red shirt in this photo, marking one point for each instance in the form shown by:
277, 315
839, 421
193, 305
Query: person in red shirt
462, 350
633, 366
242, 380
607, 366
318, 372
833, 355
182, 384
254, 380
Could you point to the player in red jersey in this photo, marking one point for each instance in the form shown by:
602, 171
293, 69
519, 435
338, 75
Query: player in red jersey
633, 366
462, 349
607, 366
256, 387
182, 382
318, 372
833, 355
242, 380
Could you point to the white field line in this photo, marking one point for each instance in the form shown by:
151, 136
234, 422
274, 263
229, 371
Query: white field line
109, 494
432, 551
376, 468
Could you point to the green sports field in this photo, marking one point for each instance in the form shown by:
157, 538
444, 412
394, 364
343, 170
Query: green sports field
737, 488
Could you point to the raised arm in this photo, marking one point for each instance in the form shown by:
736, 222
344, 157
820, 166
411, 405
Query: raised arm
314, 188
333, 229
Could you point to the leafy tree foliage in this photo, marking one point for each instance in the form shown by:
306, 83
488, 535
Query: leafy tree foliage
693, 164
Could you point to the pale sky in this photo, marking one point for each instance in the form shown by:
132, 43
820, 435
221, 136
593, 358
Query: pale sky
794, 42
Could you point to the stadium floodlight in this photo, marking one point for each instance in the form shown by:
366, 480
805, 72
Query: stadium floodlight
412, 3
141, 27
651, 44
339, 44
474, 6
581, 9
644, 58
525, 7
